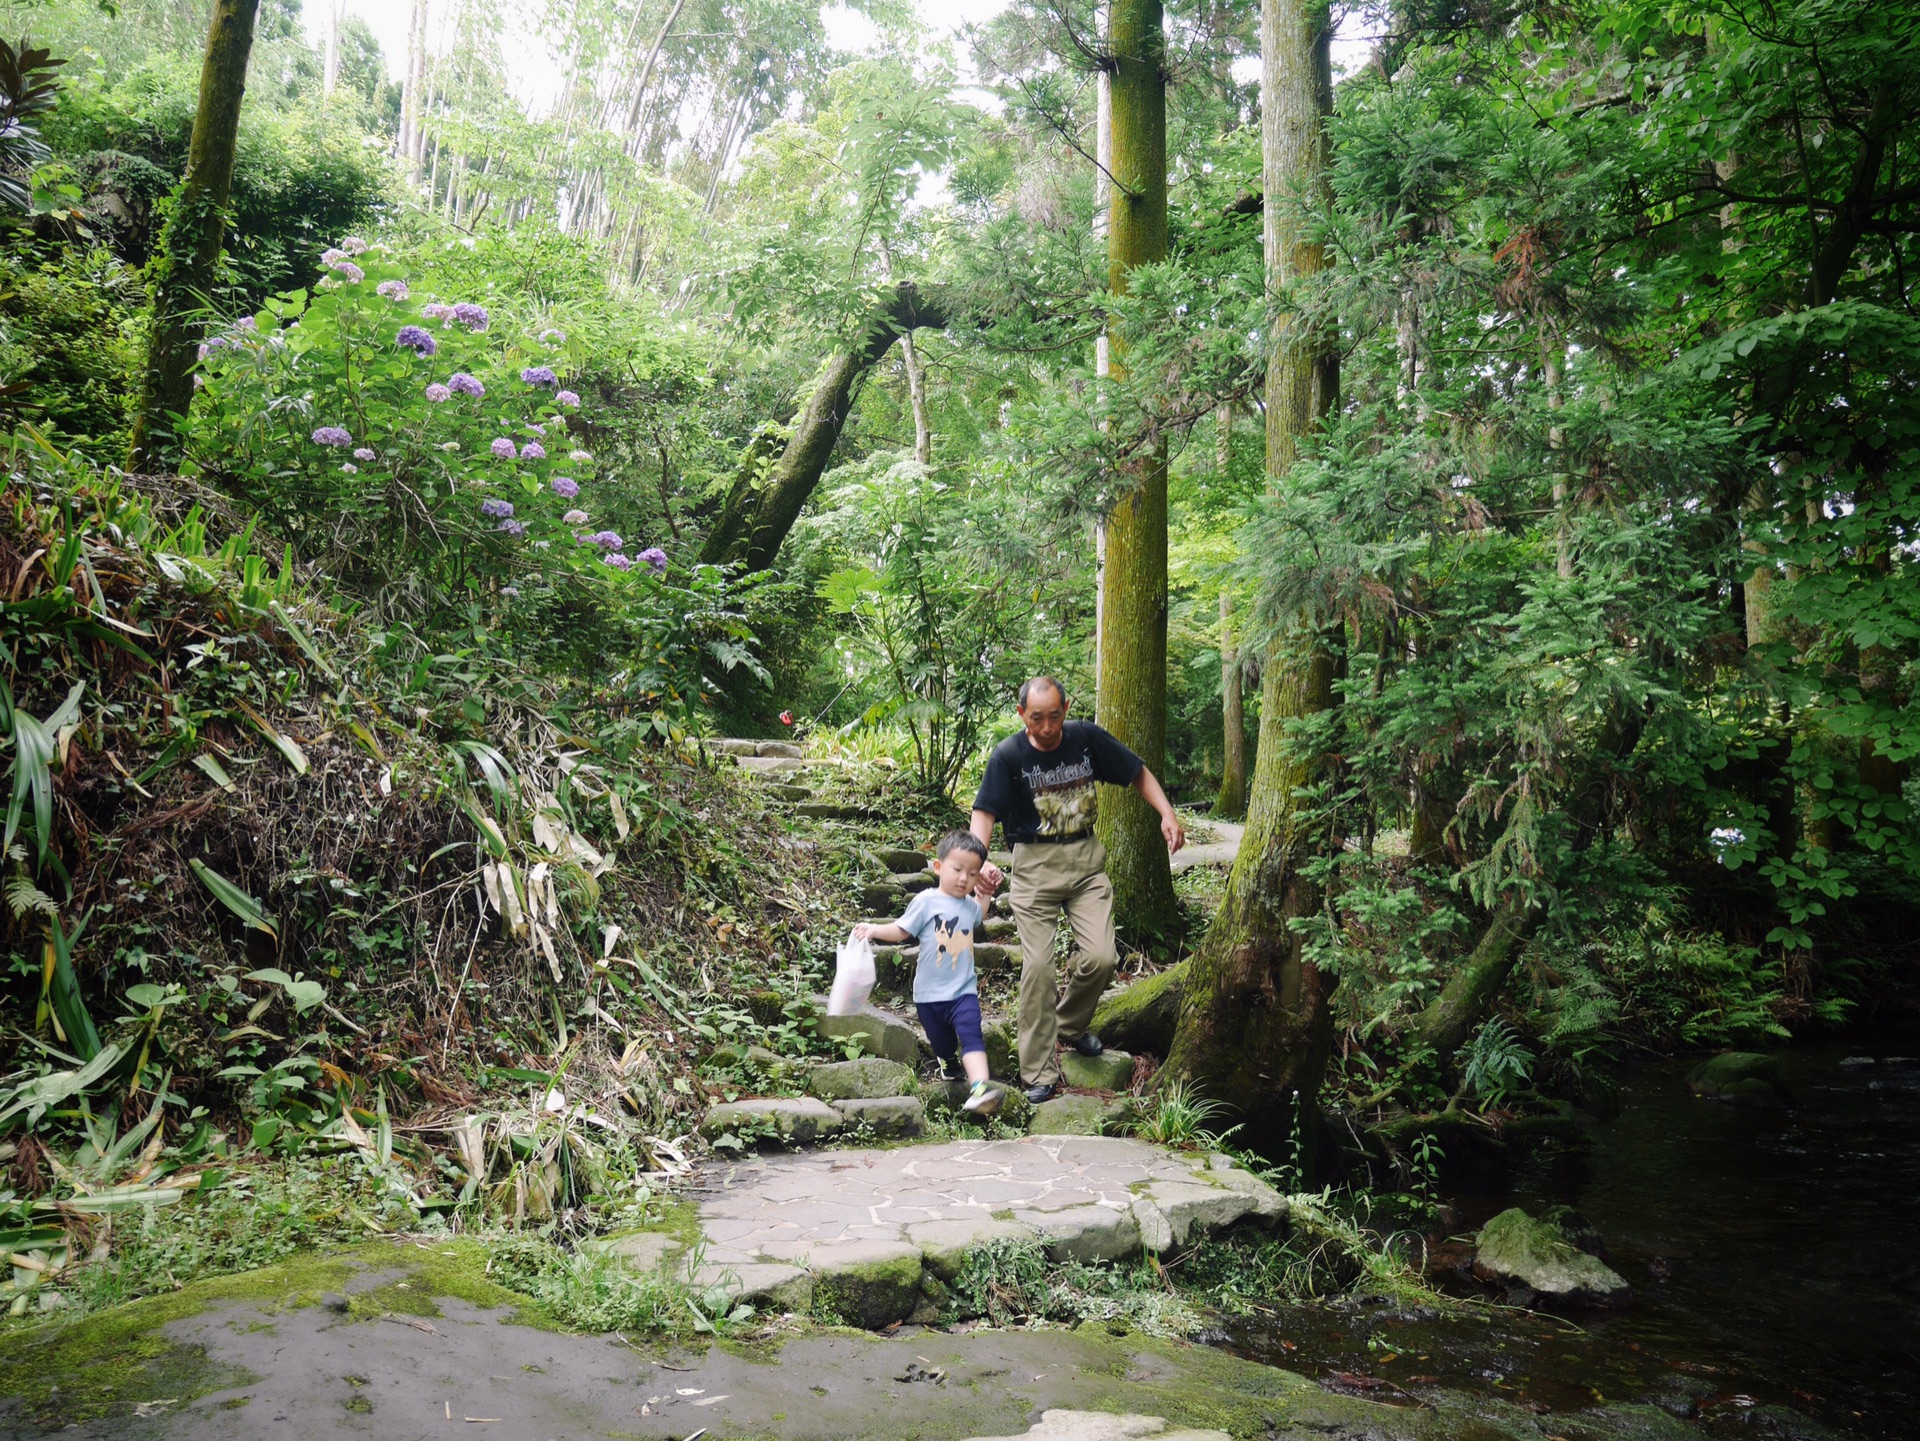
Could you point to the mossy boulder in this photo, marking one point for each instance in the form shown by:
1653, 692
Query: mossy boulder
1015, 1112
1081, 1116
873, 1288
797, 1121
1142, 1016
902, 862
1002, 1040
874, 1032
888, 1117
1746, 1078
1108, 1071
869, 1076
1529, 1253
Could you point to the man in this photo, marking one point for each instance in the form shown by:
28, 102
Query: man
1039, 784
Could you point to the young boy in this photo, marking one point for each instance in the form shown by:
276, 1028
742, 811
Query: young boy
945, 992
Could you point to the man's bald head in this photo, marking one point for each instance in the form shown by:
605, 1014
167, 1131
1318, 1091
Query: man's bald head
1043, 711
1039, 686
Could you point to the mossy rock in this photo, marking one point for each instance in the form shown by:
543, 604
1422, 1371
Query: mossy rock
892, 1118
1002, 1039
876, 1034
797, 1121
1142, 1017
1531, 1253
1081, 1116
1742, 1077
872, 1291
1108, 1071
869, 1076
902, 862
1015, 1113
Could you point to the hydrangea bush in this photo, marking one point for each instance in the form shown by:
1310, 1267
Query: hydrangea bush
469, 501
453, 433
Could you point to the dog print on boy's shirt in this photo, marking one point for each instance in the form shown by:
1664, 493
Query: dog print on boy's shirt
953, 944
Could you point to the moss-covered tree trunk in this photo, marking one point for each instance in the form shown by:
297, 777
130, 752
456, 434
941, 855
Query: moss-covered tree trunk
1133, 581
1254, 1029
1231, 804
1452, 1016
767, 498
189, 250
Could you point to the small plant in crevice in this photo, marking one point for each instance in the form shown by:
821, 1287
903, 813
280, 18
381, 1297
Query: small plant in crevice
1177, 1115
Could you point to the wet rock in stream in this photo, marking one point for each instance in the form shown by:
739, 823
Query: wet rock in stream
1536, 1261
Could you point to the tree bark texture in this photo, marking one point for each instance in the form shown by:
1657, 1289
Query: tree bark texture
765, 501
1452, 1016
189, 250
1132, 662
1255, 1030
1232, 800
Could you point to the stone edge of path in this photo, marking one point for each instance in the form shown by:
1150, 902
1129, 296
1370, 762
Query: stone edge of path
875, 1282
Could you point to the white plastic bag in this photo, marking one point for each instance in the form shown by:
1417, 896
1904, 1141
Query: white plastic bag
852, 976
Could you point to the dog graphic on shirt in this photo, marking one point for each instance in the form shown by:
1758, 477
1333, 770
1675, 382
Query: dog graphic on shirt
951, 943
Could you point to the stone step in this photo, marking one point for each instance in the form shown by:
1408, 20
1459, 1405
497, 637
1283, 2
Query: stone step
1108, 1071
875, 1033
902, 862
876, 1235
1082, 1116
836, 811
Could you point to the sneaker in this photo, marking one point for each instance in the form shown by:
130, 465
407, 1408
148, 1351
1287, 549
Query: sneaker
1088, 1044
982, 1099
1042, 1092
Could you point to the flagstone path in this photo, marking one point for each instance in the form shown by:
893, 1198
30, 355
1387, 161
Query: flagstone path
876, 1234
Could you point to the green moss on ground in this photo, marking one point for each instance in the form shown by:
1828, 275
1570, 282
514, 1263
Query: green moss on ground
100, 1365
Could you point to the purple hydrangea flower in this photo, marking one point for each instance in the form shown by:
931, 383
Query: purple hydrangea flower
574, 517
536, 429
438, 392
412, 337
363, 453
332, 256
538, 375
533, 450
512, 527
618, 561
497, 509
567, 398
553, 337
332, 435
605, 539
348, 271
460, 383
580, 457
561, 486
353, 245
246, 322
655, 559
474, 317
502, 449
349, 468
434, 310
394, 290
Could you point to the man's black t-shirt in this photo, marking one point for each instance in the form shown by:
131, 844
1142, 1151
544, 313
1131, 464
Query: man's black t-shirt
1039, 794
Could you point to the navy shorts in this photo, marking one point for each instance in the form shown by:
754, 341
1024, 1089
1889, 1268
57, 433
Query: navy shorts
952, 1027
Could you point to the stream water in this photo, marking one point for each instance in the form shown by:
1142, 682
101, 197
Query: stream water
1774, 1253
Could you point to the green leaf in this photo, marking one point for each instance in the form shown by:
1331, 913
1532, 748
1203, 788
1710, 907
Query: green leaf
232, 897
216, 772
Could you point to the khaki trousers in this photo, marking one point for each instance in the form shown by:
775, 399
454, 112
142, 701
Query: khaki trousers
1049, 879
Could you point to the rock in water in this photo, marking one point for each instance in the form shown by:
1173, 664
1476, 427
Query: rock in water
1743, 1077
1517, 1250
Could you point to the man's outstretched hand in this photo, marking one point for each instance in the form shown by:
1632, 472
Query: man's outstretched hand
1171, 828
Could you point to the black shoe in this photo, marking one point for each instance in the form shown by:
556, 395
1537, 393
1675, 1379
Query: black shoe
1041, 1093
1088, 1044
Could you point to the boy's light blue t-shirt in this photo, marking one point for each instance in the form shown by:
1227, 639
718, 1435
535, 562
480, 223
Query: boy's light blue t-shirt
944, 925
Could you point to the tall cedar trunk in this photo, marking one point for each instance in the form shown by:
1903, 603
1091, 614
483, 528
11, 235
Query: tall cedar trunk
1132, 666
1255, 1030
190, 245
765, 501
1231, 803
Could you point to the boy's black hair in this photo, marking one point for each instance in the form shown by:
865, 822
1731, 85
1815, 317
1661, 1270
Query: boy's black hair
960, 841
